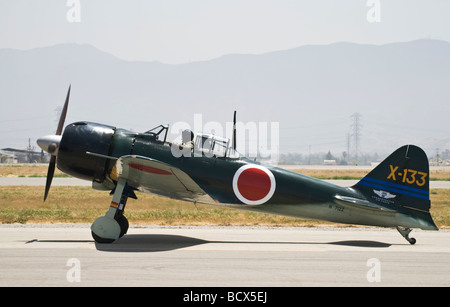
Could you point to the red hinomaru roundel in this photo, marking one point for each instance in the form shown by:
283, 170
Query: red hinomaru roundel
253, 184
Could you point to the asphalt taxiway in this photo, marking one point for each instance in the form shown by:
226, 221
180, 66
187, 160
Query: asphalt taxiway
66, 255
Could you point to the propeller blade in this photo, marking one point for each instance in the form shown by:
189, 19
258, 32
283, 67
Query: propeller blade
63, 114
50, 172
45, 142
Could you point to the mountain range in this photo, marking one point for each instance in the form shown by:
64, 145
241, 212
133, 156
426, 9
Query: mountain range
401, 92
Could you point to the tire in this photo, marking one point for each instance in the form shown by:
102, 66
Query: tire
100, 239
123, 223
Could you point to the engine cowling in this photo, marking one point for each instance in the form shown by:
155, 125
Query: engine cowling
77, 140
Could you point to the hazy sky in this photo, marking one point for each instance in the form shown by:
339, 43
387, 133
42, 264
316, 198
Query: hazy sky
176, 31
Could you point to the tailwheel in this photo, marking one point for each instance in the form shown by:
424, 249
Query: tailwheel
404, 231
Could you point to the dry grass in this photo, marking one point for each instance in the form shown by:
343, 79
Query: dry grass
83, 204
440, 207
21, 204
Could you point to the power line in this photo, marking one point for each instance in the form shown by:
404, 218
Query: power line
356, 133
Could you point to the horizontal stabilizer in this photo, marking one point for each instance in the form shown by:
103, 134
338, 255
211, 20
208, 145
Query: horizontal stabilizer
361, 203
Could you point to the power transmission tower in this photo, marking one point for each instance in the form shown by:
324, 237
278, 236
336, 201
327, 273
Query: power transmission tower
30, 152
437, 156
356, 133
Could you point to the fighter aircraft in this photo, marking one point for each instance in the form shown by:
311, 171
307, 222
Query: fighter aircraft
210, 170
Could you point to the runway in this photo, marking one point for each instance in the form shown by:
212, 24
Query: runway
66, 255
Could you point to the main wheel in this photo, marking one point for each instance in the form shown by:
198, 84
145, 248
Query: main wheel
105, 229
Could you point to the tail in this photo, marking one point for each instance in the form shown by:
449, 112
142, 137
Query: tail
401, 183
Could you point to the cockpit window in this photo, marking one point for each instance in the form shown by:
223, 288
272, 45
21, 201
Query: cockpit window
213, 146
220, 148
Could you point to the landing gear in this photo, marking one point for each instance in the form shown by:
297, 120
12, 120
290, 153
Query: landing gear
121, 221
404, 231
113, 225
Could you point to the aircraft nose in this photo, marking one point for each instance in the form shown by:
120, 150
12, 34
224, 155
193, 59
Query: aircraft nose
50, 143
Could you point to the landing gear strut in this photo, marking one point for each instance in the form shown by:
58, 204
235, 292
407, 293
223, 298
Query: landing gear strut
113, 225
404, 231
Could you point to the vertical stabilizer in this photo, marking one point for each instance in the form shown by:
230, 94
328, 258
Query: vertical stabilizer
402, 179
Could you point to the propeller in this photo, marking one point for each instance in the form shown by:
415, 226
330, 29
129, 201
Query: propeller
50, 144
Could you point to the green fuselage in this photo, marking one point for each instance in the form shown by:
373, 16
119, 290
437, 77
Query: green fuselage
295, 195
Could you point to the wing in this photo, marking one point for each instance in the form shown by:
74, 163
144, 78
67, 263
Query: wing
153, 176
